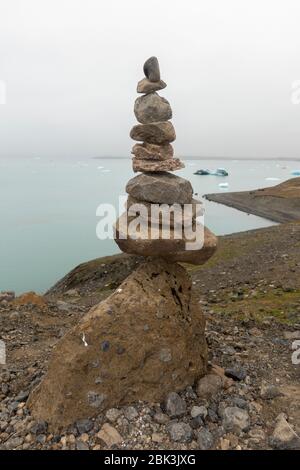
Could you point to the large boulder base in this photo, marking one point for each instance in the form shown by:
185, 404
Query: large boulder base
141, 343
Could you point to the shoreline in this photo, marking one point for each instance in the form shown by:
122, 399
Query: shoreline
280, 203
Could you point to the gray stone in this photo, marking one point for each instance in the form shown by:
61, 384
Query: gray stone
235, 419
130, 413
81, 445
236, 373
161, 188
113, 414
152, 108
180, 432
209, 385
41, 439
155, 133
151, 69
84, 425
268, 392
196, 422
284, 437
95, 399
39, 427
199, 411
205, 439
175, 406
22, 396
161, 418
146, 86
239, 402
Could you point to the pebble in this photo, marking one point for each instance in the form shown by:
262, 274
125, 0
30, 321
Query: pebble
199, 411
130, 413
161, 418
113, 414
196, 422
40, 427
180, 432
268, 392
209, 386
84, 425
157, 437
109, 435
284, 437
175, 406
235, 419
80, 445
205, 439
236, 373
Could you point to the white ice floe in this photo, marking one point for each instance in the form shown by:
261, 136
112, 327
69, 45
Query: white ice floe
272, 179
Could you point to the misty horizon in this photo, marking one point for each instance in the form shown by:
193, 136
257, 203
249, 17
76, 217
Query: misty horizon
70, 71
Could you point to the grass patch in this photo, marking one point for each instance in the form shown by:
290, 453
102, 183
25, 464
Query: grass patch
280, 305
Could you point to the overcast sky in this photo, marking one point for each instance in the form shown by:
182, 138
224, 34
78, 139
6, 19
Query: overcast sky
71, 69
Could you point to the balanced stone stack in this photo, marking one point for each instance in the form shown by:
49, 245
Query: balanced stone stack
147, 338
154, 157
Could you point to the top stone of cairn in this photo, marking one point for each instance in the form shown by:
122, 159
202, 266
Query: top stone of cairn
151, 69
152, 81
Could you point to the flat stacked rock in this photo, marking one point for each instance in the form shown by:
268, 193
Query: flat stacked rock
161, 232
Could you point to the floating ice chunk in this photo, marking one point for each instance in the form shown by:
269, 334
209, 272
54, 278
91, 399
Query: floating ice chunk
221, 172
296, 173
223, 185
100, 167
217, 172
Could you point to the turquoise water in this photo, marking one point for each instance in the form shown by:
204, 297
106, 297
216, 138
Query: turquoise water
48, 210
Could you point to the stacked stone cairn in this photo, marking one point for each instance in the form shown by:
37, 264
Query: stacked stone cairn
147, 338
161, 202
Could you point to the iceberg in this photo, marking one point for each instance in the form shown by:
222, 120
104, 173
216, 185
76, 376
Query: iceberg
202, 172
296, 173
217, 172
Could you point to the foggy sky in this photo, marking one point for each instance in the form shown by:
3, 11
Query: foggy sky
71, 69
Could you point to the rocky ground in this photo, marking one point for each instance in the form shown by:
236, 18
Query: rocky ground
250, 293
